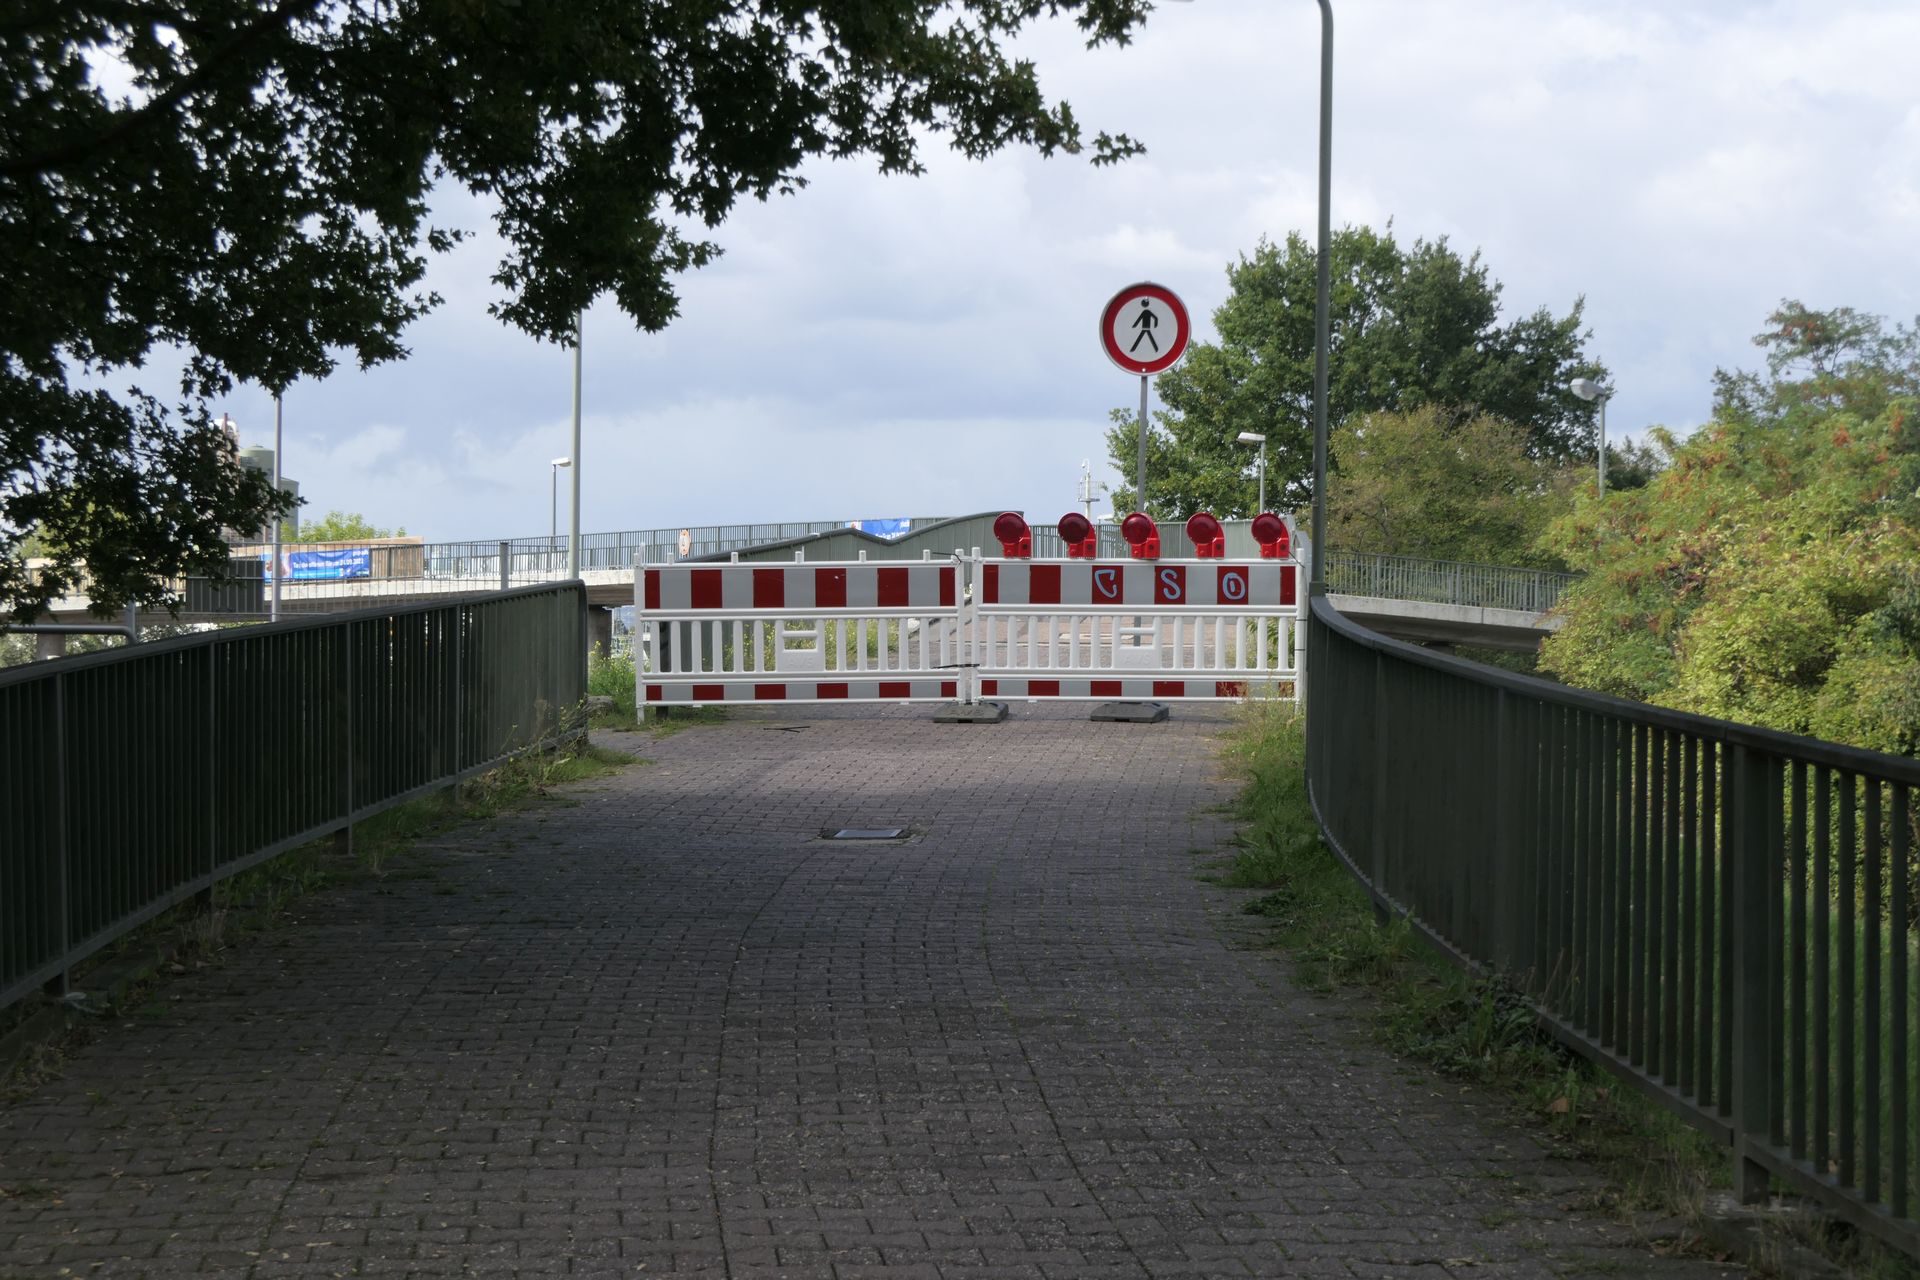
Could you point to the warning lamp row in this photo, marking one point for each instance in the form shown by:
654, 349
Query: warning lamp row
1204, 530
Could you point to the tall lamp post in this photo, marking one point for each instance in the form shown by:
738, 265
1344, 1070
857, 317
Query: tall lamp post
1588, 389
553, 505
1255, 437
573, 536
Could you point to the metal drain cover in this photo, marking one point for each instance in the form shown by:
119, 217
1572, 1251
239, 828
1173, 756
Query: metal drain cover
862, 833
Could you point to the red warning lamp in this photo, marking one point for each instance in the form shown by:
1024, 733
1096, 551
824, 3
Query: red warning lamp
1142, 535
1208, 538
1270, 531
1077, 532
1016, 540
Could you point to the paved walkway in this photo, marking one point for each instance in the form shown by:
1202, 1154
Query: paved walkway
669, 1030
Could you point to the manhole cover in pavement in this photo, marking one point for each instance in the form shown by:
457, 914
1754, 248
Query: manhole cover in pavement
862, 833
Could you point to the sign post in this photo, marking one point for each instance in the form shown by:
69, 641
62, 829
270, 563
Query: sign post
1144, 330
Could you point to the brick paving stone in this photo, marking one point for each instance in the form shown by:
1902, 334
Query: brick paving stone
667, 1029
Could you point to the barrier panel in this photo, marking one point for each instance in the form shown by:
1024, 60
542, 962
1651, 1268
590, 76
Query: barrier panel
850, 631
1160, 630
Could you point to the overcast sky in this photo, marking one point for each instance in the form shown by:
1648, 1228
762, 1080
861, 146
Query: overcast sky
888, 347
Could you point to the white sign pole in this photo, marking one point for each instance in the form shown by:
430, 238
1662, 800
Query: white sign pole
1140, 466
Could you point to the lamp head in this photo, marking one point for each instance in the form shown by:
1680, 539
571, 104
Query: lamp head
1251, 437
563, 462
1587, 389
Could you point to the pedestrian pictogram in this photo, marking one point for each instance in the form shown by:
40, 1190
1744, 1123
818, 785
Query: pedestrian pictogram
1144, 329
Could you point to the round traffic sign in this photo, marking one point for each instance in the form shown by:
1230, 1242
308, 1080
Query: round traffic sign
1144, 328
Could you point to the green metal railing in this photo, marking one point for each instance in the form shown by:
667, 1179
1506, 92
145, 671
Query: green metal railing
1722, 914
137, 778
1486, 586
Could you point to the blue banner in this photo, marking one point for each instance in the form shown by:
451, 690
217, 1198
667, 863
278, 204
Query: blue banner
309, 566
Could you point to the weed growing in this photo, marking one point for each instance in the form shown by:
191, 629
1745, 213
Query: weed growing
1459, 1025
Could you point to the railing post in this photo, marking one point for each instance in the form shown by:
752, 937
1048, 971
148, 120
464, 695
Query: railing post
506, 566
1744, 861
61, 982
211, 764
1382, 734
1505, 873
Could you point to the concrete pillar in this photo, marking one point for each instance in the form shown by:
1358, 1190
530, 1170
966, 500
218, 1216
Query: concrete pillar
599, 629
49, 646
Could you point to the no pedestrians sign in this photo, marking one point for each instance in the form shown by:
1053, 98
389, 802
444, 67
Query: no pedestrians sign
1144, 329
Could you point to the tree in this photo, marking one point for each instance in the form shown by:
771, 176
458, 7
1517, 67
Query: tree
1412, 326
342, 526
1413, 484
1771, 574
258, 195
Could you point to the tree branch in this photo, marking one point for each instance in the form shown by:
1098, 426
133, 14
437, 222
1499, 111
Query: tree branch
65, 153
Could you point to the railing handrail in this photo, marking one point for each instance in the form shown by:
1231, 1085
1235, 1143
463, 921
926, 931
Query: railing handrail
1731, 732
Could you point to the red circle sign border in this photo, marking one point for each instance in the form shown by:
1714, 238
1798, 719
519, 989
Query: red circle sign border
1183, 329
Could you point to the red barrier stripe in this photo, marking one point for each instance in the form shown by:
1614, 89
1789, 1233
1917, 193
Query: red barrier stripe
988, 687
704, 586
1286, 585
1043, 585
949, 689
990, 584
896, 688
653, 588
1105, 689
1169, 688
830, 588
769, 588
946, 586
1043, 688
830, 691
1229, 689
709, 693
656, 693
891, 588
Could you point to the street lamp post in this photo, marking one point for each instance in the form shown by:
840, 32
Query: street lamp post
553, 504
1255, 437
573, 536
1588, 389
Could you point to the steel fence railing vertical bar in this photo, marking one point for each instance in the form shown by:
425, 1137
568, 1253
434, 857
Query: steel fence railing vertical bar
1775, 923
1746, 871
1796, 1089
1626, 734
1607, 949
1822, 969
1670, 917
1505, 789
1900, 1084
1689, 908
1724, 919
1655, 990
1382, 772
211, 763
1844, 926
62, 835
1870, 996
1638, 938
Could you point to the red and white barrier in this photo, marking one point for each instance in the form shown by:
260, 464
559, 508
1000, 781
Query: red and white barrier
923, 631
844, 632
1140, 630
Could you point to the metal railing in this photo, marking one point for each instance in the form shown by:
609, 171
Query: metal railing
1486, 586
137, 778
1722, 914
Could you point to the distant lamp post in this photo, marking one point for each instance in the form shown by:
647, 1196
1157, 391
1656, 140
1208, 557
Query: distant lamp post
1588, 389
1254, 437
553, 502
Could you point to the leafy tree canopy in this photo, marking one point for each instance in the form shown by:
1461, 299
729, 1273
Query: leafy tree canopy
1414, 484
1412, 325
247, 180
344, 526
1771, 574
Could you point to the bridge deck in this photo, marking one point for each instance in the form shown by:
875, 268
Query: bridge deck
671, 1030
